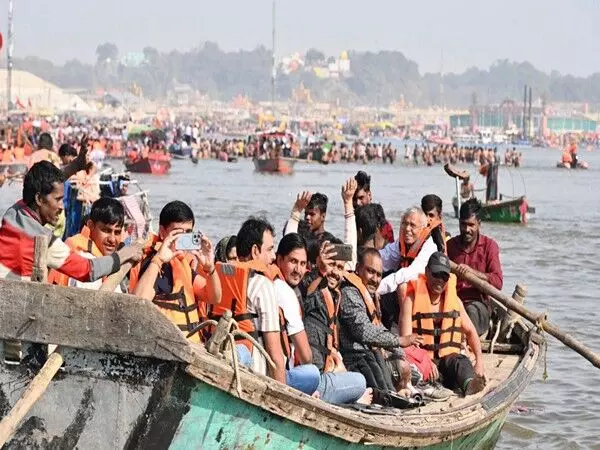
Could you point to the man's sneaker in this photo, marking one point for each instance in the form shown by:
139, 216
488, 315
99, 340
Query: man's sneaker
436, 392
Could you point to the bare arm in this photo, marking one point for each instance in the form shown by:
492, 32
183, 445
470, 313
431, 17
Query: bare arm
145, 287
272, 344
405, 323
303, 351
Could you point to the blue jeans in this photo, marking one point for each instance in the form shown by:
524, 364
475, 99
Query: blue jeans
342, 387
305, 378
244, 355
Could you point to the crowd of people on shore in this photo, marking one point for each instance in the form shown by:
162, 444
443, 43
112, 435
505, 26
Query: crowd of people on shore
359, 318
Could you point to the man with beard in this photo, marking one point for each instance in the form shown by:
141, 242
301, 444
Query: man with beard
42, 204
361, 334
479, 255
339, 386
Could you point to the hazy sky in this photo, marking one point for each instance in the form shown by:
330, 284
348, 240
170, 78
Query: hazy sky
552, 34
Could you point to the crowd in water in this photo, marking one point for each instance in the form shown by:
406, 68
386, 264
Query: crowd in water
359, 318
454, 154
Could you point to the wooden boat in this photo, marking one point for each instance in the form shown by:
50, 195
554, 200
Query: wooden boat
131, 380
508, 211
154, 164
275, 165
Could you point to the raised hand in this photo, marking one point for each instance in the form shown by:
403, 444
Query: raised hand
349, 189
325, 259
205, 255
302, 200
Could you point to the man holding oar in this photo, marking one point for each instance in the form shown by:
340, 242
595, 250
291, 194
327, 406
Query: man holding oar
480, 255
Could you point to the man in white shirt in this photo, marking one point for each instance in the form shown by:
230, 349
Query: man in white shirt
255, 242
409, 255
291, 262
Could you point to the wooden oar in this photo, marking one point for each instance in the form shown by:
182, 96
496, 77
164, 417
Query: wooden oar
40, 382
536, 318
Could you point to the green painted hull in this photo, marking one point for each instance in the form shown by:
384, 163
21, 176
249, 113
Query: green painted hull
512, 211
217, 420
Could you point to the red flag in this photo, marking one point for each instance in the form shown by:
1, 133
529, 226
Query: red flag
29, 102
19, 104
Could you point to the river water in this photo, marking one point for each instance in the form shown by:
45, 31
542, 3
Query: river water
557, 255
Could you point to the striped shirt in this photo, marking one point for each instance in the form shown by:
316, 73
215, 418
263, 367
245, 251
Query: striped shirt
262, 301
20, 226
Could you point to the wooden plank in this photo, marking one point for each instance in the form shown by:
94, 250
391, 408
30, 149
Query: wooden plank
86, 319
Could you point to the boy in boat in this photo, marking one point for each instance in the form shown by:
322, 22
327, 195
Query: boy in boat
480, 255
101, 236
363, 196
432, 309
316, 212
42, 204
171, 279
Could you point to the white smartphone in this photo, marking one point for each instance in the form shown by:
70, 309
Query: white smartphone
189, 241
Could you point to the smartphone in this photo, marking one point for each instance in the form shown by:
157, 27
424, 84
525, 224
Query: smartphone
344, 252
189, 241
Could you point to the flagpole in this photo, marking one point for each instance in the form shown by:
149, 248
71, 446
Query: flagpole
9, 54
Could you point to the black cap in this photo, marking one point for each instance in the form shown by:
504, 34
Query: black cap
439, 262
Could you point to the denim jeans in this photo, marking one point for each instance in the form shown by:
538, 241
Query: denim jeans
342, 387
244, 355
305, 378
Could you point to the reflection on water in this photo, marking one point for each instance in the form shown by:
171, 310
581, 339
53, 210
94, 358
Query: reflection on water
557, 255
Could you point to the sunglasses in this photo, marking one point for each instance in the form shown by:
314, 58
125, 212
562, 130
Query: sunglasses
441, 275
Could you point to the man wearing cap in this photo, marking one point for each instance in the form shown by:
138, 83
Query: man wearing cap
432, 309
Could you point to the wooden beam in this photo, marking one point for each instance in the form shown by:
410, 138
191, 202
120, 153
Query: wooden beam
87, 319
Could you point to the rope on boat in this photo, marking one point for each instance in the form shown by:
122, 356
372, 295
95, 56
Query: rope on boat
495, 338
540, 324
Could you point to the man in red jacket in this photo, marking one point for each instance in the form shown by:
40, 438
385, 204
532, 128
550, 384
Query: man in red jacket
42, 204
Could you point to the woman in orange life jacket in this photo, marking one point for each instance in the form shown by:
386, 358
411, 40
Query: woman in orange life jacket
432, 310
167, 278
226, 251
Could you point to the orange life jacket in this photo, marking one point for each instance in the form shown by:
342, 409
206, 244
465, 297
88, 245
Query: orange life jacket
332, 331
78, 243
425, 322
234, 294
180, 305
372, 312
408, 255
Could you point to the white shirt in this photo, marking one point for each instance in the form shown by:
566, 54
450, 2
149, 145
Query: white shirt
390, 255
262, 301
288, 302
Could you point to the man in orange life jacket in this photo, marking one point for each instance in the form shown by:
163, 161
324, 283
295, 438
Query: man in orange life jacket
431, 205
411, 252
101, 236
42, 204
255, 247
167, 278
432, 309
362, 336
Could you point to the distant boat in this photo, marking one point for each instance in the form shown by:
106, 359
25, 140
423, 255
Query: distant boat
580, 165
283, 166
508, 211
154, 164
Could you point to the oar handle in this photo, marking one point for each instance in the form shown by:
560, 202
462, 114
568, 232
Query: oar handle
532, 316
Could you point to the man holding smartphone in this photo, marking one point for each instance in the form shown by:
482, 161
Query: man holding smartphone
166, 276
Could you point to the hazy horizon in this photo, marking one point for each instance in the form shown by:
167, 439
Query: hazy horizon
437, 35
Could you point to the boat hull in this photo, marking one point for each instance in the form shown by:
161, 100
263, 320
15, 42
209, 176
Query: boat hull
276, 165
510, 211
149, 165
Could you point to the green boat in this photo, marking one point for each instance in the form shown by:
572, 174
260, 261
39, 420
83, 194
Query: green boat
505, 211
515, 210
131, 380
